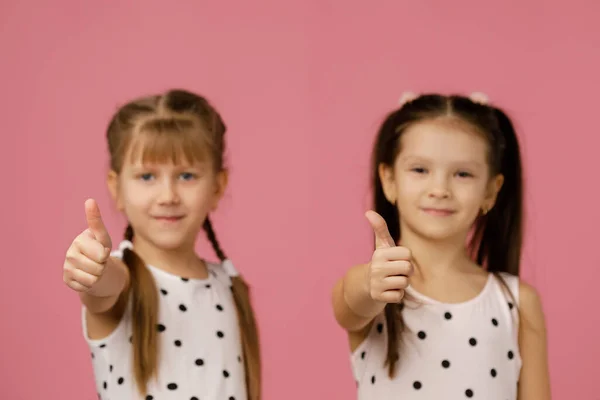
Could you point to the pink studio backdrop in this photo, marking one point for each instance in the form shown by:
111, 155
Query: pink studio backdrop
302, 85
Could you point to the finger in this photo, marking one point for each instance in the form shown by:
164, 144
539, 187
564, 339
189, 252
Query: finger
78, 287
392, 296
95, 223
394, 283
83, 278
82, 263
398, 268
382, 234
396, 253
91, 248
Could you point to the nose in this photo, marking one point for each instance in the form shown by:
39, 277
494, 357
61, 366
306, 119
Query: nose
439, 188
168, 193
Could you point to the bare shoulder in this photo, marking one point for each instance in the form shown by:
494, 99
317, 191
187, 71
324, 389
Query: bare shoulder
530, 304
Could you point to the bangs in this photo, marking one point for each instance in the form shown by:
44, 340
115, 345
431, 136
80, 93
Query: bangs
170, 140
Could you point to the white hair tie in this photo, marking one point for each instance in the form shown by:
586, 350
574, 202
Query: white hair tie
480, 98
125, 244
229, 268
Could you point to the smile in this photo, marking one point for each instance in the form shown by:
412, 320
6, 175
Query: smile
438, 212
168, 218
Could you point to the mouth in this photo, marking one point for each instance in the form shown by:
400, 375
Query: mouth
168, 218
438, 212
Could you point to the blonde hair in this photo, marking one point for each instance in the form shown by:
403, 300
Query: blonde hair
175, 126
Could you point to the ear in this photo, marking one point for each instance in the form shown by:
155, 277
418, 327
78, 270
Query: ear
220, 186
112, 181
494, 187
388, 183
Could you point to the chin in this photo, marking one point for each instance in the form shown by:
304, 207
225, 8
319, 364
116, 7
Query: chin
168, 243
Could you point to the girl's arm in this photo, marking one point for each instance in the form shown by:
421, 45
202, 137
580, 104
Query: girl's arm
534, 382
353, 306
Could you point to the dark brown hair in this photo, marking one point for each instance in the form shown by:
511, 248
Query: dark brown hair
170, 127
497, 239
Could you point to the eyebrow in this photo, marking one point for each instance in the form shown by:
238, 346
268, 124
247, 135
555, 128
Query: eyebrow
415, 158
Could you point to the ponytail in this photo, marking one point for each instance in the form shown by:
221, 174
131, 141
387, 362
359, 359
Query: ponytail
144, 299
498, 237
246, 322
500, 232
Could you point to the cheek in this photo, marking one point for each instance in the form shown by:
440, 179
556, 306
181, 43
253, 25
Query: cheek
471, 195
408, 186
136, 197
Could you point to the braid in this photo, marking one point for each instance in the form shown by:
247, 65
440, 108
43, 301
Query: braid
210, 233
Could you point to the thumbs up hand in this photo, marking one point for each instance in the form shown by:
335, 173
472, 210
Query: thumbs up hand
87, 256
390, 266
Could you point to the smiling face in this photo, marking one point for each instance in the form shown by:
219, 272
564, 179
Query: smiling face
166, 203
167, 170
440, 180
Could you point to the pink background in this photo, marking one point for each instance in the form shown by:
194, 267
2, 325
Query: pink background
302, 85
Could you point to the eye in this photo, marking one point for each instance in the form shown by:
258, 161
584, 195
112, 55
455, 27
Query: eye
188, 176
419, 170
146, 177
464, 174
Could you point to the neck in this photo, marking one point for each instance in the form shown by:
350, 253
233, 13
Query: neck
178, 259
435, 258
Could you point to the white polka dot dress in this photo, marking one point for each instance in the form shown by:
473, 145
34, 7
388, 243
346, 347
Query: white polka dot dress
457, 351
200, 356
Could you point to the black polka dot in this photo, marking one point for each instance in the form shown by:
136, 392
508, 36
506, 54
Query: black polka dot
185, 279
494, 322
417, 385
231, 398
220, 334
194, 398
199, 362
102, 345
373, 380
164, 292
362, 355
182, 307
178, 343
130, 339
110, 368
172, 386
469, 393
473, 341
161, 327
510, 355
93, 356
120, 381
447, 315
493, 373
421, 335
379, 327
149, 397
207, 286
225, 373
446, 364
510, 305
239, 359
219, 307
104, 385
